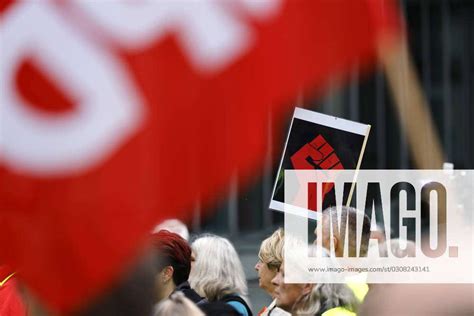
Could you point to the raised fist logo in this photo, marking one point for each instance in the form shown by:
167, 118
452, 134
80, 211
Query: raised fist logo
317, 154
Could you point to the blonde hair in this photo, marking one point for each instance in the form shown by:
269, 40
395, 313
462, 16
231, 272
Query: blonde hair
271, 250
177, 304
217, 270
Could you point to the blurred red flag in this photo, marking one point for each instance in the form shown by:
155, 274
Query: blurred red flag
115, 115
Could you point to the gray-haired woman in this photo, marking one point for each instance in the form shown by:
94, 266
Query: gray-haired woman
217, 273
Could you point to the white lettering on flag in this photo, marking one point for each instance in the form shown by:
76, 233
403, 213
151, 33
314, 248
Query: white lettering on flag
107, 109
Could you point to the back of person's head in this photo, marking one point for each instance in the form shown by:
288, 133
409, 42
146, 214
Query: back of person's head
175, 226
133, 294
349, 217
271, 249
217, 269
177, 304
172, 250
325, 296
322, 296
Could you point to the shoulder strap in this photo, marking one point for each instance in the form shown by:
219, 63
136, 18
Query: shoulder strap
236, 298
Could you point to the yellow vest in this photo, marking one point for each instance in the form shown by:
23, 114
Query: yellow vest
359, 290
338, 311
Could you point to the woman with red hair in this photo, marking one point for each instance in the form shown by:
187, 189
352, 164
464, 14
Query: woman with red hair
173, 264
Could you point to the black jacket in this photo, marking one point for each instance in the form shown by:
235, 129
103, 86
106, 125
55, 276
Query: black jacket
190, 293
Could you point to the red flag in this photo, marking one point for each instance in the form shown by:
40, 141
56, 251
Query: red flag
116, 115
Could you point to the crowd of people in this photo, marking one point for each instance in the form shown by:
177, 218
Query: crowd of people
205, 276
215, 283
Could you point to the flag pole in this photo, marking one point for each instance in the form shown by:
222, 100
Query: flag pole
412, 108
411, 105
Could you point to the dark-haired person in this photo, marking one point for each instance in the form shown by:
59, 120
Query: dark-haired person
173, 255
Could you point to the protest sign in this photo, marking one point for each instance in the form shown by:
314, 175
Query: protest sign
319, 141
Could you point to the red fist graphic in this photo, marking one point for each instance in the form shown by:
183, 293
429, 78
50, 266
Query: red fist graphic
317, 154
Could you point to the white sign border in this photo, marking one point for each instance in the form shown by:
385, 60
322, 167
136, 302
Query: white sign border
325, 120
